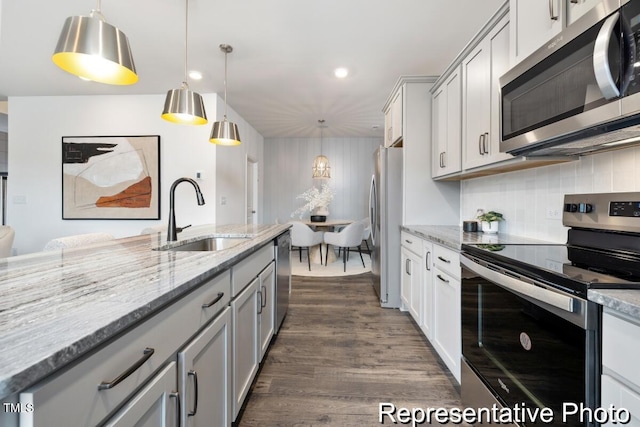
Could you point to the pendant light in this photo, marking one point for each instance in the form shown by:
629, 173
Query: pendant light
321, 168
91, 48
225, 132
184, 106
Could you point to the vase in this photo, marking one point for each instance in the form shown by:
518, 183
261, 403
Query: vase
490, 227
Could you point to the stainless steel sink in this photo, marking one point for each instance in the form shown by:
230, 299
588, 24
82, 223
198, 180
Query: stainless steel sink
208, 244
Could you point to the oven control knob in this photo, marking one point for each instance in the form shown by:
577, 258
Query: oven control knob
571, 207
585, 208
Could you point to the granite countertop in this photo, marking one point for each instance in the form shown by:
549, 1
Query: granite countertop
625, 301
55, 306
453, 237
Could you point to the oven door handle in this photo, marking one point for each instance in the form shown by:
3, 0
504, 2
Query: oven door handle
531, 290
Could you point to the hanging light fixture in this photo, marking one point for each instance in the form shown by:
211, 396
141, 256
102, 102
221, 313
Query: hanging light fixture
225, 132
184, 106
321, 168
91, 48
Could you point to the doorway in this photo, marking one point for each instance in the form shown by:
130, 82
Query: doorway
252, 191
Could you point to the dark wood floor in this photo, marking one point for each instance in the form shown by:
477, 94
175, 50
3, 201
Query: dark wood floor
338, 355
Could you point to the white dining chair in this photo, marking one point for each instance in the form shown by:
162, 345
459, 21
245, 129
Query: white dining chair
303, 237
366, 234
348, 237
76, 241
7, 235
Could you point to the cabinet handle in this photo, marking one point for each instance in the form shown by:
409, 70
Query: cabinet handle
177, 396
485, 143
146, 354
216, 299
426, 262
408, 266
264, 303
442, 278
551, 14
574, 1
194, 374
260, 304
444, 260
444, 159
408, 241
480, 144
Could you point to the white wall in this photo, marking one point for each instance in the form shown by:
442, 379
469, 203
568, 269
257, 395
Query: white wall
288, 174
524, 196
36, 126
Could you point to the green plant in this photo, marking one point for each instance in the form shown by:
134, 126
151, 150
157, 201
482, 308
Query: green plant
491, 216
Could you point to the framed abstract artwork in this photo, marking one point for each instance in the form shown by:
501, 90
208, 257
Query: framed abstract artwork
111, 177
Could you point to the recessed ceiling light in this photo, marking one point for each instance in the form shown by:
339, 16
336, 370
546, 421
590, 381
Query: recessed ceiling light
195, 75
341, 72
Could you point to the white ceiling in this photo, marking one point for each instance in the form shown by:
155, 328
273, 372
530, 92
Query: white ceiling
280, 74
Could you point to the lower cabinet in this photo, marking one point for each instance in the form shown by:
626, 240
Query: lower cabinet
157, 404
410, 284
204, 376
246, 351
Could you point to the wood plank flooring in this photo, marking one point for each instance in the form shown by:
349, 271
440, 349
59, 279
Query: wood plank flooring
338, 355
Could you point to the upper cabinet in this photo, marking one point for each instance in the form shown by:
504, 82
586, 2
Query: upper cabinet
446, 115
481, 71
393, 119
535, 22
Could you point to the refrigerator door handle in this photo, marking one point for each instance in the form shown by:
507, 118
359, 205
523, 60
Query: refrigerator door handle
373, 209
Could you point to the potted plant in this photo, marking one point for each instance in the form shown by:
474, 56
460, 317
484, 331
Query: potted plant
490, 221
317, 203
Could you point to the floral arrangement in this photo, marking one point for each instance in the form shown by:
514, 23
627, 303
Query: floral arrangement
314, 198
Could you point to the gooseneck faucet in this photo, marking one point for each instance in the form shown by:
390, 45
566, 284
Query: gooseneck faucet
172, 231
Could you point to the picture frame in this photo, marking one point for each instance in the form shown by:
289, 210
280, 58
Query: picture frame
111, 177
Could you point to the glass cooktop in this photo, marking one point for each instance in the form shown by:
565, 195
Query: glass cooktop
573, 269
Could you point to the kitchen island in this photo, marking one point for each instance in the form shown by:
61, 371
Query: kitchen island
58, 307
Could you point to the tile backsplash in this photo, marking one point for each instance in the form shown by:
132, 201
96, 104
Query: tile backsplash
528, 198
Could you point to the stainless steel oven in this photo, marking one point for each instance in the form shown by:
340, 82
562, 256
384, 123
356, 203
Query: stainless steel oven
578, 92
530, 336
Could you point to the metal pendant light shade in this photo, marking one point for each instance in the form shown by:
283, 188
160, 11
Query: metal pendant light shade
225, 132
91, 48
321, 168
184, 106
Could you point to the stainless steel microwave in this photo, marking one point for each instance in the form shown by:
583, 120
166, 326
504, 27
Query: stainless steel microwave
579, 93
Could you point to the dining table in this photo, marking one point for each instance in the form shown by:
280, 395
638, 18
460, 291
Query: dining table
328, 225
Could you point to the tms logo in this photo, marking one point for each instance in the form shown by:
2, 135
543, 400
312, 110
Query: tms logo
18, 407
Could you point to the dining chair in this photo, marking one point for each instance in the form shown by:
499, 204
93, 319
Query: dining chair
7, 235
348, 237
76, 241
303, 237
366, 234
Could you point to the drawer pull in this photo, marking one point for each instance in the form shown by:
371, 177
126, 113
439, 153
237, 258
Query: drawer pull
408, 241
177, 396
427, 260
444, 260
442, 278
218, 298
146, 354
194, 374
260, 306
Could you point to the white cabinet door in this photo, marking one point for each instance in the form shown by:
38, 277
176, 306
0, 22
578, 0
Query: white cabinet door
534, 23
577, 8
393, 120
480, 98
204, 376
244, 309
267, 307
427, 289
447, 119
155, 405
447, 324
411, 283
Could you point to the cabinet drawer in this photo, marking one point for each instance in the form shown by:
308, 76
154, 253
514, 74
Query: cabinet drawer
620, 347
411, 242
249, 268
71, 397
447, 260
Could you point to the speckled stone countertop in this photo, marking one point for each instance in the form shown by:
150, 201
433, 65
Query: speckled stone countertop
55, 306
453, 237
626, 301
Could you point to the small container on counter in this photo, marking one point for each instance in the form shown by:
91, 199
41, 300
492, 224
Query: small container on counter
470, 226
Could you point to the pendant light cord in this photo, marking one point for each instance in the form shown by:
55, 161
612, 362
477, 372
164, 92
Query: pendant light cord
225, 83
185, 84
98, 11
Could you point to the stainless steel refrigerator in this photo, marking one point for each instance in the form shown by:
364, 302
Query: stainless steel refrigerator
385, 213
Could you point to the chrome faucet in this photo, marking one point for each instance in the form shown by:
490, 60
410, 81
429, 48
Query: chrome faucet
172, 231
